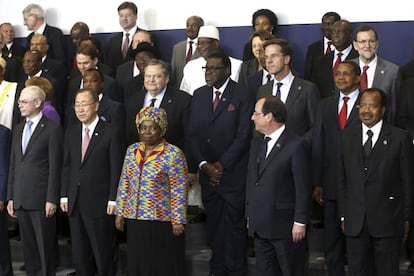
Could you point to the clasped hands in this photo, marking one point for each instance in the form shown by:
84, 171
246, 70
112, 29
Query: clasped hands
214, 171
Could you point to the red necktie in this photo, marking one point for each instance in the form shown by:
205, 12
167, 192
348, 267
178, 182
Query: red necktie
125, 46
190, 52
363, 83
343, 113
328, 49
337, 61
216, 100
85, 142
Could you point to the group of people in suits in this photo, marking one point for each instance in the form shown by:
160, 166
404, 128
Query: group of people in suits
259, 176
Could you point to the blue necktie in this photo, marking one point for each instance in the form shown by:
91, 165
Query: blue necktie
279, 84
27, 135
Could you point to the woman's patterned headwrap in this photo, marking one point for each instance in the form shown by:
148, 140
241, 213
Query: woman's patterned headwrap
155, 114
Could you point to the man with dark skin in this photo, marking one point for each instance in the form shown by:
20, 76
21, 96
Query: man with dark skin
324, 67
79, 32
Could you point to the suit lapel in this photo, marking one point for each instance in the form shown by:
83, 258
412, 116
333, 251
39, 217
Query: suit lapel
167, 100
96, 137
294, 92
380, 148
280, 143
39, 128
353, 116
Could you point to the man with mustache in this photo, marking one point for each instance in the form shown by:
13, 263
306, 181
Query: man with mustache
374, 186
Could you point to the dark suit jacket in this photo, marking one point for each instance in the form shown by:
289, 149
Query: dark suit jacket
301, 105
132, 87
56, 40
377, 194
93, 181
57, 70
124, 72
113, 54
253, 82
326, 144
314, 51
222, 136
4, 160
16, 50
322, 74
14, 69
34, 177
248, 68
387, 78
280, 192
405, 116
407, 70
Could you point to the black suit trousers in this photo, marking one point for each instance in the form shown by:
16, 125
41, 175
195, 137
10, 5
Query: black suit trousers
5, 259
367, 254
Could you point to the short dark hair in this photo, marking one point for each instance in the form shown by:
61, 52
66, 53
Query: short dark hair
163, 65
384, 100
365, 28
223, 56
332, 14
128, 5
88, 50
355, 67
276, 107
94, 95
263, 35
99, 72
269, 14
285, 46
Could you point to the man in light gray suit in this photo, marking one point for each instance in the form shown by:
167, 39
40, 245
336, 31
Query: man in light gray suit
181, 55
379, 73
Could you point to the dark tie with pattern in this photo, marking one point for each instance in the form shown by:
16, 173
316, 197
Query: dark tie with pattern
269, 78
328, 48
125, 46
343, 114
368, 144
363, 83
216, 100
337, 62
190, 52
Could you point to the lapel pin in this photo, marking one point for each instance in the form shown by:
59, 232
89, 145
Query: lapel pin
103, 118
223, 99
169, 101
277, 145
96, 134
42, 125
382, 72
385, 142
300, 87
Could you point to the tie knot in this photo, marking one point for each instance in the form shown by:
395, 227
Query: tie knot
153, 102
370, 133
191, 42
345, 99
126, 34
269, 77
217, 94
267, 139
29, 123
365, 68
86, 130
329, 43
279, 84
339, 54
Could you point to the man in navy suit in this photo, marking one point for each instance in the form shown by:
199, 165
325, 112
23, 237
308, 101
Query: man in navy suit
278, 192
326, 151
374, 189
5, 258
220, 134
128, 16
300, 96
34, 20
34, 182
92, 162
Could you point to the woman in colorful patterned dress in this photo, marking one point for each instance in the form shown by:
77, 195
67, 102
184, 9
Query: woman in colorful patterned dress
152, 200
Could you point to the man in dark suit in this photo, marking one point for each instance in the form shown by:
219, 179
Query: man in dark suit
176, 103
374, 189
277, 192
118, 47
301, 97
87, 58
91, 146
109, 110
53, 68
322, 46
326, 151
376, 71
181, 53
322, 73
34, 182
14, 64
34, 20
10, 48
220, 134
5, 257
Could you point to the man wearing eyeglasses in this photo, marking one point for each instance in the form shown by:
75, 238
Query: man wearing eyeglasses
219, 140
376, 71
93, 154
193, 74
34, 182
